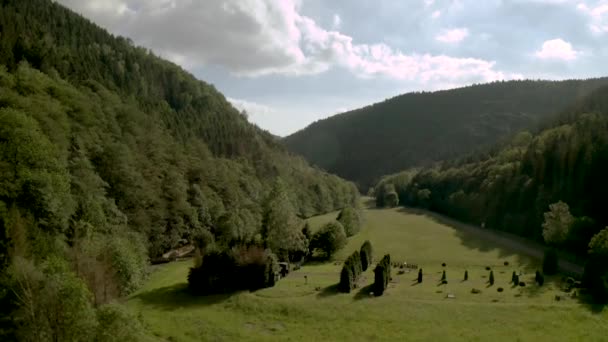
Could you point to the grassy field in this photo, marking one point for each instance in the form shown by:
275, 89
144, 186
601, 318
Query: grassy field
299, 311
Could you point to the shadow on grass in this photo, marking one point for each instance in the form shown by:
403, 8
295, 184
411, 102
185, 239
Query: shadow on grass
587, 301
329, 291
177, 296
364, 292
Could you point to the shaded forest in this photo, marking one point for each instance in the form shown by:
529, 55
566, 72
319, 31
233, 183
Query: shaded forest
510, 187
111, 156
418, 129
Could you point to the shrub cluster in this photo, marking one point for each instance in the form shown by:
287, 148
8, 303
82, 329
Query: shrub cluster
329, 239
366, 255
240, 268
382, 274
351, 270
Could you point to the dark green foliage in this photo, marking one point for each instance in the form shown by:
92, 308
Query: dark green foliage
353, 268
242, 268
500, 289
491, 279
444, 264
350, 218
366, 255
382, 275
514, 278
522, 284
539, 278
420, 275
550, 260
329, 239
461, 120
466, 275
443, 276
110, 155
511, 186
346, 280
595, 277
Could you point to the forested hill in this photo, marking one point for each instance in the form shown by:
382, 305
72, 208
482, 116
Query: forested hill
512, 187
417, 129
110, 155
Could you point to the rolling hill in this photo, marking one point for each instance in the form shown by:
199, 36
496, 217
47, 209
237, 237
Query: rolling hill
418, 129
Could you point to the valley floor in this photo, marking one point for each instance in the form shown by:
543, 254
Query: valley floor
300, 310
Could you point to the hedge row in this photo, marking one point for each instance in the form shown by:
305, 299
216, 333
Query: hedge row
382, 275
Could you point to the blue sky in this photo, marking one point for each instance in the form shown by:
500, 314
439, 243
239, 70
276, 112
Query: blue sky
292, 62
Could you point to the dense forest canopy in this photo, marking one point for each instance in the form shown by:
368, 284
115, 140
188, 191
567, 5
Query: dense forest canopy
418, 129
110, 156
521, 186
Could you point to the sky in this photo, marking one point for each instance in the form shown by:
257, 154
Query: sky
289, 63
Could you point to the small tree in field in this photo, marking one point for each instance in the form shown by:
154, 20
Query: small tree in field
329, 239
558, 222
466, 275
550, 262
346, 279
420, 275
366, 255
514, 278
491, 280
443, 276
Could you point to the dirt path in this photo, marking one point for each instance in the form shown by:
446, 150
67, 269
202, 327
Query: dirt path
513, 242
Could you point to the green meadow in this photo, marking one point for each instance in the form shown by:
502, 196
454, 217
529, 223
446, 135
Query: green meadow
305, 306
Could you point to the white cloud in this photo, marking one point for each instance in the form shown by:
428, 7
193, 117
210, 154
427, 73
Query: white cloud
452, 36
598, 14
337, 22
436, 14
262, 37
557, 49
428, 3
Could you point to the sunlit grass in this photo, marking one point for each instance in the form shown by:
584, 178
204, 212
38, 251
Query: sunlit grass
296, 309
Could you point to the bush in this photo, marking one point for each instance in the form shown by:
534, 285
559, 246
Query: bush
466, 275
522, 284
329, 239
539, 278
420, 275
382, 275
488, 268
366, 255
354, 267
500, 289
514, 278
506, 263
116, 323
476, 291
346, 280
443, 276
550, 260
242, 268
595, 278
491, 280
444, 264
350, 219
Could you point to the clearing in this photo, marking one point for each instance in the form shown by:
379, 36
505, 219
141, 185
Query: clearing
295, 310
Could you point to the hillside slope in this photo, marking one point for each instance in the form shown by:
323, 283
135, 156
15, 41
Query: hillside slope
420, 128
109, 156
512, 187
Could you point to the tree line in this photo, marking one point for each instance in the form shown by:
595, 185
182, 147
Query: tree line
421, 128
548, 186
111, 156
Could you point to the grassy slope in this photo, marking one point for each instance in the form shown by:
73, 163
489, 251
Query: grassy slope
295, 310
